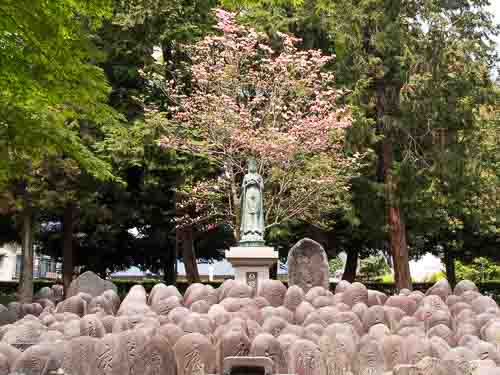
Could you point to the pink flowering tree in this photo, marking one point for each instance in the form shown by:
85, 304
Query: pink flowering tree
277, 104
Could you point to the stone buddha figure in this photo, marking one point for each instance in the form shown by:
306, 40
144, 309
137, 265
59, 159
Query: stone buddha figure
252, 208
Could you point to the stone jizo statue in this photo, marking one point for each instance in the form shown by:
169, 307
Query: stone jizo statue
252, 208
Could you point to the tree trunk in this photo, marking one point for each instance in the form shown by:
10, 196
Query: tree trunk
25, 289
68, 266
168, 58
273, 272
399, 249
449, 260
388, 91
397, 229
235, 201
169, 268
387, 95
351, 266
185, 235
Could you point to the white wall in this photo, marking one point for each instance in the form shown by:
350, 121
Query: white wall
8, 261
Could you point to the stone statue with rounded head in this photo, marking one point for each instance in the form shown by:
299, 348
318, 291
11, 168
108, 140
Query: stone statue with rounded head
252, 207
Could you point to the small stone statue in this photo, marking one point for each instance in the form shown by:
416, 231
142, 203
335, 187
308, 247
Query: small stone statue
252, 208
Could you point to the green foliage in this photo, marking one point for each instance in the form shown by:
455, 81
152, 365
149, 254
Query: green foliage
175, 21
50, 84
68, 67
373, 267
334, 265
435, 277
434, 62
387, 278
481, 269
146, 200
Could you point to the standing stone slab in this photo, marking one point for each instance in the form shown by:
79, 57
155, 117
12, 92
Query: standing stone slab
88, 282
304, 358
308, 265
195, 355
337, 354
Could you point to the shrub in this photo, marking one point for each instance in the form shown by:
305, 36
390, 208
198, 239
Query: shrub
480, 270
373, 268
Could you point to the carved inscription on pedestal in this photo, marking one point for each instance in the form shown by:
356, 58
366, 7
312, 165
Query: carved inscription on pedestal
252, 278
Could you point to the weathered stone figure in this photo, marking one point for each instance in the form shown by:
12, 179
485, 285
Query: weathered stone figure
208, 331
252, 208
308, 265
89, 282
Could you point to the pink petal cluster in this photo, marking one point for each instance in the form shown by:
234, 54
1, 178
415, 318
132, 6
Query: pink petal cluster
246, 98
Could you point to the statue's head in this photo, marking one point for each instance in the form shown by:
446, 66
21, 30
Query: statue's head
252, 165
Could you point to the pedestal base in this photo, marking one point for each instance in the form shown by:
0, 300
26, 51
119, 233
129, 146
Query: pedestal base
251, 263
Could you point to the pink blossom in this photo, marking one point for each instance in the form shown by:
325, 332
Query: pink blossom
248, 99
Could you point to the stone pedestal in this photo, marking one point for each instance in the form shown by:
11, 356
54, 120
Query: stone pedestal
251, 263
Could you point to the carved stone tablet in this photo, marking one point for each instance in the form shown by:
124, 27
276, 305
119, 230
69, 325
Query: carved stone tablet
337, 353
304, 358
234, 343
195, 355
308, 265
89, 282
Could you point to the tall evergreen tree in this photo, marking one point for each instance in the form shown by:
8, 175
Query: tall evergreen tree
50, 85
396, 56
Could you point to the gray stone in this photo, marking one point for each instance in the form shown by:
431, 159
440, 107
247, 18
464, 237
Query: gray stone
80, 356
439, 347
8, 317
40, 359
161, 291
88, 282
165, 305
308, 265
75, 304
24, 334
113, 298
10, 355
441, 288
274, 325
393, 351
58, 290
302, 311
370, 357
405, 303
195, 355
90, 325
304, 358
239, 290
293, 297
234, 343
464, 286
273, 291
252, 207
134, 302
416, 349
100, 304
315, 292
266, 345
171, 332
45, 293
355, 293
337, 354
203, 292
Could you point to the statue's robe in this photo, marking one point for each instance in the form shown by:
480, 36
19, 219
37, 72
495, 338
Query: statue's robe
252, 208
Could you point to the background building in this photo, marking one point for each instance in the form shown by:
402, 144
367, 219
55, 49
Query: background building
10, 264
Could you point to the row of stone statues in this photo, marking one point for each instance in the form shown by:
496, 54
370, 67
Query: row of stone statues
348, 331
